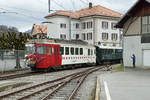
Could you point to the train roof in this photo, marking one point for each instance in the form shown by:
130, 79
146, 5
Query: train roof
57, 41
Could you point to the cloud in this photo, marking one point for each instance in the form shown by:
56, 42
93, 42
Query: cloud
33, 11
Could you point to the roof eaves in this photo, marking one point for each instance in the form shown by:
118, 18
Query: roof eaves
124, 18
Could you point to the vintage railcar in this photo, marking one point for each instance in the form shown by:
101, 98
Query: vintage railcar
48, 54
108, 55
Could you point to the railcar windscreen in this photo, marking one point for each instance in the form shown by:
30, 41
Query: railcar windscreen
41, 50
29, 49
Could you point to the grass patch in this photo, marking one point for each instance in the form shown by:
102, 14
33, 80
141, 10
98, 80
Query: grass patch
118, 68
8, 87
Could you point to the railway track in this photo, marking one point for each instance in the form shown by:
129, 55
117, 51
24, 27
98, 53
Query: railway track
13, 76
59, 88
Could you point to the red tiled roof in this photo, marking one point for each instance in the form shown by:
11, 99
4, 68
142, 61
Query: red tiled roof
95, 10
39, 29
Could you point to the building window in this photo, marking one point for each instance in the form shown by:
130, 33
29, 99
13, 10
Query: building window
77, 25
113, 26
89, 36
62, 25
145, 24
88, 51
105, 36
104, 25
84, 25
62, 36
83, 36
77, 36
114, 36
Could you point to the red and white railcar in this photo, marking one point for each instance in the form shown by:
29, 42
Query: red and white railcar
47, 54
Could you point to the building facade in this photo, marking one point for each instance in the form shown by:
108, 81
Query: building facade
136, 34
39, 31
94, 25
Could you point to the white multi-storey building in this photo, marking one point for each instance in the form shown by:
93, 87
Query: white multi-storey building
94, 25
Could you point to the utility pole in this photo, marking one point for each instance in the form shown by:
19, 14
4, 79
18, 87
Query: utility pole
70, 27
49, 6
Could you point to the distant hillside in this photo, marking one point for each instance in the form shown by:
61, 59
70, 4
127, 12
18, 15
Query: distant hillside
6, 29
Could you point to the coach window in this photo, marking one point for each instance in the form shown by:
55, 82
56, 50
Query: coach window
61, 50
91, 52
94, 51
72, 51
88, 51
49, 50
81, 51
41, 50
67, 50
77, 51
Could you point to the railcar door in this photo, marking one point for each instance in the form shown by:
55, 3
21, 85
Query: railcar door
41, 54
49, 56
56, 55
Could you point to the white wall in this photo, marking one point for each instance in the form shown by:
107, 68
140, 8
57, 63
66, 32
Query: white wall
89, 30
132, 45
54, 29
73, 28
109, 31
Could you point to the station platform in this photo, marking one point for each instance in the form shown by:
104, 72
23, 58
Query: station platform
132, 84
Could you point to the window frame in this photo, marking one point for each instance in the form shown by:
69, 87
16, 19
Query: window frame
76, 51
66, 50
81, 51
105, 36
61, 50
146, 25
72, 48
104, 25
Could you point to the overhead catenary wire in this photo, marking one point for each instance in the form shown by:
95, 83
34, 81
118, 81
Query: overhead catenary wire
8, 11
59, 4
20, 9
73, 4
84, 2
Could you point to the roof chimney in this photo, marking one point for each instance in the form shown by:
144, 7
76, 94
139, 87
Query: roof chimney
90, 5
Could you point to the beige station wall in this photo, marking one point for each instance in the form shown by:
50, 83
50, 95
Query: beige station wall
132, 26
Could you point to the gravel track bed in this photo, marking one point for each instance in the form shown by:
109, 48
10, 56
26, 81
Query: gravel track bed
37, 79
87, 89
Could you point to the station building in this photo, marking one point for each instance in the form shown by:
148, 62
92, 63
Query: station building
136, 34
94, 25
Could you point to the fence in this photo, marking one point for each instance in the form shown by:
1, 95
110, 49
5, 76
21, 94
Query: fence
12, 59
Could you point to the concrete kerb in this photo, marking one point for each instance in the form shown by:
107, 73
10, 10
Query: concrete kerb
97, 93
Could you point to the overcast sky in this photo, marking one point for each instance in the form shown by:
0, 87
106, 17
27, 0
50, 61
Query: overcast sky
24, 13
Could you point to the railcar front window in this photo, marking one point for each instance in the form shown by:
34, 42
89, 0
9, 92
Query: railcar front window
41, 50
29, 50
